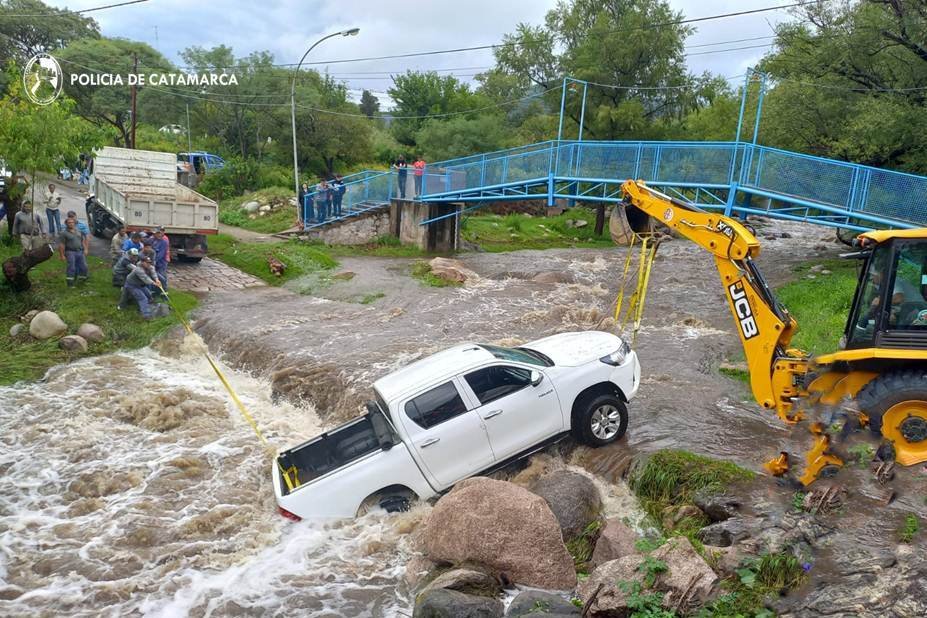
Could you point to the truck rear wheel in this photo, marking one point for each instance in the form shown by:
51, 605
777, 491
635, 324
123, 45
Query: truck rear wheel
601, 420
897, 407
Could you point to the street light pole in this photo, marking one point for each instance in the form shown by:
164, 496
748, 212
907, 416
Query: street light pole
350, 32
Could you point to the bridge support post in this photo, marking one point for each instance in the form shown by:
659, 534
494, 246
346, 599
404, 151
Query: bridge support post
550, 189
731, 196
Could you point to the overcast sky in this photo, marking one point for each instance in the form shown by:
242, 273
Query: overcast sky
287, 27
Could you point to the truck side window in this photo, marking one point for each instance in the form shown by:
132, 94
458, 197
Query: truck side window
436, 406
491, 383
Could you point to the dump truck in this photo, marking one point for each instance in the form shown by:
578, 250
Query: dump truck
139, 189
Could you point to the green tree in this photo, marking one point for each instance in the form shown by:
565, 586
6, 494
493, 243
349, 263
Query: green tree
369, 104
851, 82
23, 37
439, 140
421, 94
40, 137
110, 106
610, 43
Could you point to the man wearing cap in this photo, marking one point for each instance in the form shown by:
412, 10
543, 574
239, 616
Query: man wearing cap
73, 248
124, 266
140, 277
29, 227
133, 242
162, 249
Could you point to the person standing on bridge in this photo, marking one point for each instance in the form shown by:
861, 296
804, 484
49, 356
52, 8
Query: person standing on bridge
418, 174
323, 196
52, 201
402, 171
338, 190
73, 246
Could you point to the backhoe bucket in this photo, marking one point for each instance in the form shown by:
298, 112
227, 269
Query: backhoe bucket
628, 221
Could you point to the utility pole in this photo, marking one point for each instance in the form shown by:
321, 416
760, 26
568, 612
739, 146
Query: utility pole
189, 137
134, 97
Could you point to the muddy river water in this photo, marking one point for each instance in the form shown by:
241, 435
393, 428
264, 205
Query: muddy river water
130, 486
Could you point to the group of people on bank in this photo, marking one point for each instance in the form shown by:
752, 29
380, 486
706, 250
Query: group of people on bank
140, 260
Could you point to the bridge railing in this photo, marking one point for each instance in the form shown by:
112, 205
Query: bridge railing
831, 190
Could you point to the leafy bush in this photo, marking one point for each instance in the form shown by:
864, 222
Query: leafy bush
242, 175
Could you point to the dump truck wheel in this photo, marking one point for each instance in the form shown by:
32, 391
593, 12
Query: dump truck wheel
897, 407
601, 421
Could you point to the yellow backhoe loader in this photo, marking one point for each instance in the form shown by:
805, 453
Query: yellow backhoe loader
880, 371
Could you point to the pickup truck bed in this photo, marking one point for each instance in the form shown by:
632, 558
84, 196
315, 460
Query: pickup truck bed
336, 448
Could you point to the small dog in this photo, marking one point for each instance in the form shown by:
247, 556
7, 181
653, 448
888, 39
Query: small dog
276, 266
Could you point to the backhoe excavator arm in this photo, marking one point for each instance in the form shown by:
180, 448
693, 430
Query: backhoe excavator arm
764, 326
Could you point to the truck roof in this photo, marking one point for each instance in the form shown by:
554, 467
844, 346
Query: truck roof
435, 368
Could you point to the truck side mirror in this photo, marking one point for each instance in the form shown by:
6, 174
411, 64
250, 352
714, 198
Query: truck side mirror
536, 377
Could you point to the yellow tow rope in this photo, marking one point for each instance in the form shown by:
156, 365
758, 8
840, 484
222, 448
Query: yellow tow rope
292, 483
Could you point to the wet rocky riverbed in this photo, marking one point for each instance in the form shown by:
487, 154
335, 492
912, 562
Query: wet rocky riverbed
129, 486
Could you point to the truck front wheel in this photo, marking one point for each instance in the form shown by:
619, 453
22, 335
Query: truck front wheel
601, 420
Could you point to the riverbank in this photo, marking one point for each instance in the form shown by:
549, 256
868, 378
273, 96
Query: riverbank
25, 358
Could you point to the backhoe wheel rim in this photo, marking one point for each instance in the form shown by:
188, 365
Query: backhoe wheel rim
606, 421
905, 424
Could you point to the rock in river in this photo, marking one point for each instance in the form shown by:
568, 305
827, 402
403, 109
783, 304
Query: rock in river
616, 540
537, 604
573, 498
504, 527
451, 270
47, 324
442, 603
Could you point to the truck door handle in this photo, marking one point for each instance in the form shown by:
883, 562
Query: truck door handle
489, 415
429, 442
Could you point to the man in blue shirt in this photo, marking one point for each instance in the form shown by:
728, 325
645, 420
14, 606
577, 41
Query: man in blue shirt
81, 226
133, 242
162, 248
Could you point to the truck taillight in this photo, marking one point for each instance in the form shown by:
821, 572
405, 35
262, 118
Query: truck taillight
288, 515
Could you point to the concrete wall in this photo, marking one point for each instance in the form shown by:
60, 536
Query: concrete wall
439, 237
358, 230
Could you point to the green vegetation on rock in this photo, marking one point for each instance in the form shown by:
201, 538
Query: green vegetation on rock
512, 232
282, 215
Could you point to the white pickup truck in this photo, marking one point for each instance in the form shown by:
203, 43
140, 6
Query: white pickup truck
456, 414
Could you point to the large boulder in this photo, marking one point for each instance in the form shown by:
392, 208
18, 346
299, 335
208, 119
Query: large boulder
537, 603
91, 332
73, 343
725, 533
251, 207
573, 498
718, 507
616, 540
467, 581
443, 603
504, 527
451, 270
686, 581
47, 324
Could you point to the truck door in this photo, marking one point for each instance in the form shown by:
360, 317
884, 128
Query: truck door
517, 414
448, 438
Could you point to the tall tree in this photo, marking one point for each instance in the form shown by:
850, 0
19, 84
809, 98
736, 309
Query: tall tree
420, 94
109, 105
22, 35
851, 82
369, 104
610, 43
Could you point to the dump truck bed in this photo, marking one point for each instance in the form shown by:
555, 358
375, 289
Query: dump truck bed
140, 189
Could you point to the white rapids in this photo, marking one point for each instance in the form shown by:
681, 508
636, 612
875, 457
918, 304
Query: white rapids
130, 486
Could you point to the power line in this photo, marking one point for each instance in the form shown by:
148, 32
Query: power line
63, 11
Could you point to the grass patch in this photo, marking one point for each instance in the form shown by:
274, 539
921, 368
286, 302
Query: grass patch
740, 375
382, 246
582, 546
512, 232
672, 477
369, 299
422, 271
862, 454
26, 359
277, 220
758, 579
820, 305
301, 259
909, 529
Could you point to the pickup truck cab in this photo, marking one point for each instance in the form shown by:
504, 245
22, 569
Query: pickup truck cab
456, 414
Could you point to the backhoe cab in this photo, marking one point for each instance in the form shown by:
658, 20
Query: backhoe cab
882, 364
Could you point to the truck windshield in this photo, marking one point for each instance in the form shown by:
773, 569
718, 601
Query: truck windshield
521, 355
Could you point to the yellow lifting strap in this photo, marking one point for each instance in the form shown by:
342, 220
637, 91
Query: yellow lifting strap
292, 483
635, 309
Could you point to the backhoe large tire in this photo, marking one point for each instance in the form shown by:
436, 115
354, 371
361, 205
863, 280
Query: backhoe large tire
600, 420
896, 404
